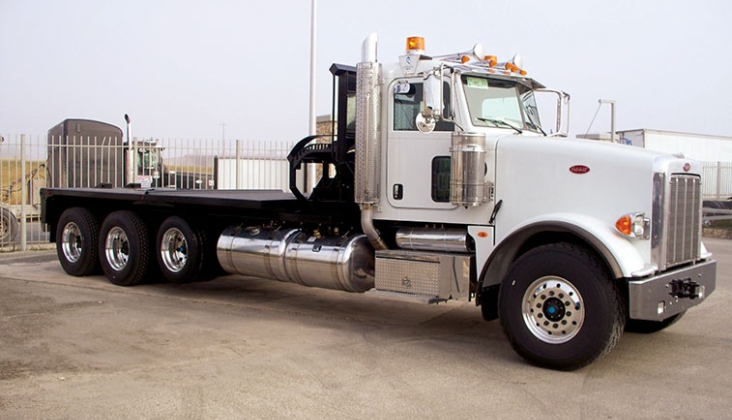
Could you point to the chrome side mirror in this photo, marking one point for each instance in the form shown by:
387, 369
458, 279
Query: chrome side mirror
432, 103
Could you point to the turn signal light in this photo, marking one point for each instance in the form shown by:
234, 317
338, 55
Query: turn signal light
634, 225
625, 225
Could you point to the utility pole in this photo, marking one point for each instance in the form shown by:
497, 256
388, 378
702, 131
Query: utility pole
310, 173
313, 16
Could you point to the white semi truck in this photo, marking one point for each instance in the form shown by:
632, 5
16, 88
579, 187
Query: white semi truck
440, 183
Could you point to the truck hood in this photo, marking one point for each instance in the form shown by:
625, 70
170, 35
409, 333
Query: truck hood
539, 176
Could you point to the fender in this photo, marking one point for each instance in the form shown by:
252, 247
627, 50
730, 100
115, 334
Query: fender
621, 256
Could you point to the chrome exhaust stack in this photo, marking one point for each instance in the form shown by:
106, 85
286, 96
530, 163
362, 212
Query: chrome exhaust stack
368, 139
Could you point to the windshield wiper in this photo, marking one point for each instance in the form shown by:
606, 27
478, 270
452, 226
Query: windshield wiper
536, 126
501, 122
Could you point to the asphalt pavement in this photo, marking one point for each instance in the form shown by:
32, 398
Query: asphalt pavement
238, 347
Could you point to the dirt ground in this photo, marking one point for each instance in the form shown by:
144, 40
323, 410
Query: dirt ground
236, 347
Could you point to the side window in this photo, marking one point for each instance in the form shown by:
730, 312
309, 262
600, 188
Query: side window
441, 179
408, 104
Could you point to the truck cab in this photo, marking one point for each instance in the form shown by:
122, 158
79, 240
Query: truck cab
454, 169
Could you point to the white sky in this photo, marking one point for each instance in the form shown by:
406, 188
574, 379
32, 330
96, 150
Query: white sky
183, 68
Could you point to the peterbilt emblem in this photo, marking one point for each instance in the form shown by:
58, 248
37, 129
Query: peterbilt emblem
687, 167
579, 169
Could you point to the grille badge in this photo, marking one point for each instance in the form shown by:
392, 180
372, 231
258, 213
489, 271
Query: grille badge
579, 169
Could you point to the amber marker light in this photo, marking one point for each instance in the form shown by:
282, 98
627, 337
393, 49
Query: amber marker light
492, 60
634, 225
624, 225
415, 43
464, 59
482, 234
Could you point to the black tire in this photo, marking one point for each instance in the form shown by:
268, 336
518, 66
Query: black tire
559, 307
650, 327
180, 251
124, 248
9, 227
77, 242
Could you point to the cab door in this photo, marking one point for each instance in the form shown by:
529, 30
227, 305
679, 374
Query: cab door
418, 165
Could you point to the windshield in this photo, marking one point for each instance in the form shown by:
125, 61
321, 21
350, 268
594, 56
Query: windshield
147, 159
501, 103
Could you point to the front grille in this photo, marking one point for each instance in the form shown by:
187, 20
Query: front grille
684, 220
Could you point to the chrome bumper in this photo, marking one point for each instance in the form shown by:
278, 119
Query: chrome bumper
657, 298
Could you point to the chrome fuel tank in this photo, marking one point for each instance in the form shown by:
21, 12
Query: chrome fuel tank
344, 262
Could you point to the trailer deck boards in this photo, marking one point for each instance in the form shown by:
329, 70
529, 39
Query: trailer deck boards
243, 199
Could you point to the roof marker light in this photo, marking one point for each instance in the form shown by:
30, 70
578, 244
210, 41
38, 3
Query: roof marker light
415, 44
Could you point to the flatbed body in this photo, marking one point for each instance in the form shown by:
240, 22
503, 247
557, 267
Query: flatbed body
204, 205
241, 199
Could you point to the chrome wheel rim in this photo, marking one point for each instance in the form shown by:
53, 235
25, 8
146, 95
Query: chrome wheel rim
174, 250
117, 248
71, 243
5, 226
553, 310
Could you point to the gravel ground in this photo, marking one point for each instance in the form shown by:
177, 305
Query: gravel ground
236, 347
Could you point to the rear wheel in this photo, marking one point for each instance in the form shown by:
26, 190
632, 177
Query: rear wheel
180, 251
77, 242
559, 307
124, 248
8, 226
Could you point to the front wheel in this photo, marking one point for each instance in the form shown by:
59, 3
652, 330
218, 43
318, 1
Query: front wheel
559, 307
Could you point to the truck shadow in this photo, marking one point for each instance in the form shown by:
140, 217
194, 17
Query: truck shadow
386, 322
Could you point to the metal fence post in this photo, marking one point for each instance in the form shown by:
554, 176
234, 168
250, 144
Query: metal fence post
23, 196
238, 164
719, 181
